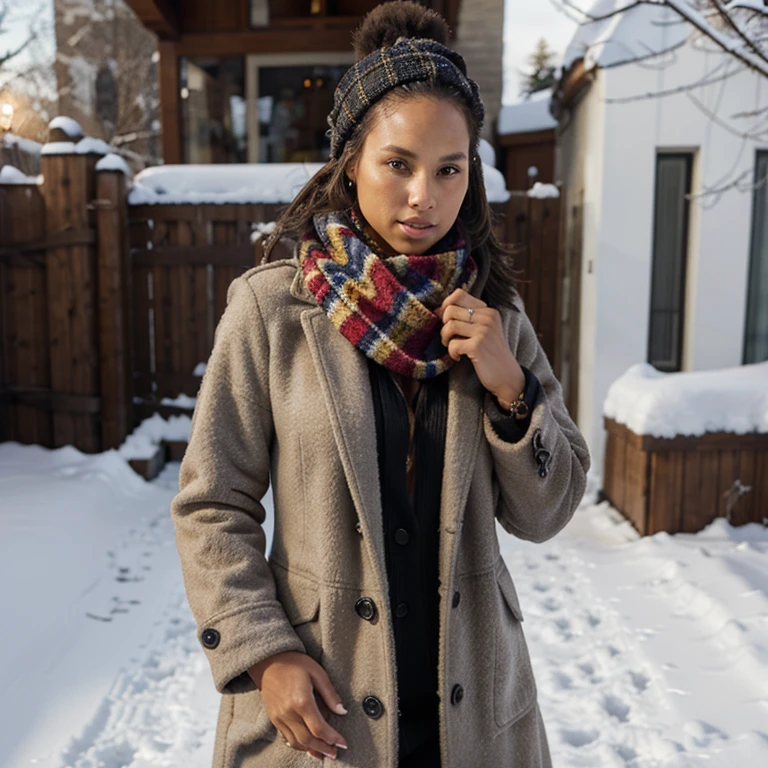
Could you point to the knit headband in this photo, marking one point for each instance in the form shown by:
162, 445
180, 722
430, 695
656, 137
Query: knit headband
408, 60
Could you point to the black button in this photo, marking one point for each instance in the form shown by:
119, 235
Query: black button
543, 466
402, 609
366, 608
401, 536
456, 598
359, 527
457, 694
211, 638
373, 707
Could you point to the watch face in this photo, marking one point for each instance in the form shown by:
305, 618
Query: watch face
522, 410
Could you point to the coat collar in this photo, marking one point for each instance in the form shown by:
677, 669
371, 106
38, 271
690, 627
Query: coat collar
346, 392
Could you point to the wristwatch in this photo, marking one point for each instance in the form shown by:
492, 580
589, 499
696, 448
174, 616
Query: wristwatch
517, 408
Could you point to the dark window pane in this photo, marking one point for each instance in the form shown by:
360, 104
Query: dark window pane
670, 244
756, 332
294, 103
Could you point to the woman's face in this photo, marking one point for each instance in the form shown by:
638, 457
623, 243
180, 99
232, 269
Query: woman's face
413, 167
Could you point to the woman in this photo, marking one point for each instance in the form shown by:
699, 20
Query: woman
388, 382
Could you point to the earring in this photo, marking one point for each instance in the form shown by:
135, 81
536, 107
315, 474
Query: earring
350, 183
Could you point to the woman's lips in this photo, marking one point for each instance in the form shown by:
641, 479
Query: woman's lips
415, 232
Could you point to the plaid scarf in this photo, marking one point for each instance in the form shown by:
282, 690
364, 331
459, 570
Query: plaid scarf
384, 304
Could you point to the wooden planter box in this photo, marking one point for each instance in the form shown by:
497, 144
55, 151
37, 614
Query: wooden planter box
681, 484
150, 468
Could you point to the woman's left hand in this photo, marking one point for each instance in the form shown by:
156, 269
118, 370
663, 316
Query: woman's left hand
482, 341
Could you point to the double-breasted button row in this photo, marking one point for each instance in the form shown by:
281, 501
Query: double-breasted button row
366, 608
210, 637
540, 453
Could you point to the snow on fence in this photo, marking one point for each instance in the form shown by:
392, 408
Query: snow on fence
685, 448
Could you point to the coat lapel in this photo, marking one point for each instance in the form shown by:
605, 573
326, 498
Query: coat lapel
343, 375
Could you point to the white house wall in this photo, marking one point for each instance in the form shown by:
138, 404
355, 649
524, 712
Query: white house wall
616, 295
580, 160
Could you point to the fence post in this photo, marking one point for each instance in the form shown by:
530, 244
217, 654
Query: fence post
71, 286
116, 371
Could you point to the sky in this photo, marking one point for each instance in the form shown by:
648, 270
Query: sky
525, 21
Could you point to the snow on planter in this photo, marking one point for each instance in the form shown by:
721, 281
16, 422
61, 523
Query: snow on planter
650, 402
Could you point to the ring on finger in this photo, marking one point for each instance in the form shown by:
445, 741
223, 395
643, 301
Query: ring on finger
471, 312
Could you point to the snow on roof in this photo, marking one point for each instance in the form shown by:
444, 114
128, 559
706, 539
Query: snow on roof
650, 402
638, 32
113, 162
247, 183
11, 175
532, 114
70, 127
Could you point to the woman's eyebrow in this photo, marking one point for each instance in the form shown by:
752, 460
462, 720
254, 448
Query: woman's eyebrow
408, 153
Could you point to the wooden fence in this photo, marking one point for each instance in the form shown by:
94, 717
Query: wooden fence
107, 309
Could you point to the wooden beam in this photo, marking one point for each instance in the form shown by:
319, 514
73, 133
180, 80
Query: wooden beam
158, 16
530, 137
168, 74
267, 40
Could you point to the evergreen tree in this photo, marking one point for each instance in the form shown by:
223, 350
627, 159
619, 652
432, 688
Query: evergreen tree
540, 74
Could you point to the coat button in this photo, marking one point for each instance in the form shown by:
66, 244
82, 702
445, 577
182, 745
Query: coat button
359, 527
401, 609
456, 598
401, 536
373, 707
211, 638
366, 608
457, 694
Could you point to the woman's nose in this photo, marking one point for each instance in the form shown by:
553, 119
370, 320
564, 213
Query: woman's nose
420, 193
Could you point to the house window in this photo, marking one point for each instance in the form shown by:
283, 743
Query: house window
293, 107
213, 109
756, 331
670, 246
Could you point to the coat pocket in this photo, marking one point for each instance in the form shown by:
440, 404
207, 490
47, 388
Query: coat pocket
300, 598
514, 687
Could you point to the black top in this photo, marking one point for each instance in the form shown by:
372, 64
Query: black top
411, 536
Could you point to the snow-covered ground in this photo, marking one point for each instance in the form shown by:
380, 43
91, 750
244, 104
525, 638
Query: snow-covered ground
647, 652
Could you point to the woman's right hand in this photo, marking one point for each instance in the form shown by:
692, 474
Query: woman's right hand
288, 682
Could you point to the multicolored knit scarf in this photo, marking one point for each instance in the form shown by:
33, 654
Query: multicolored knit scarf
384, 304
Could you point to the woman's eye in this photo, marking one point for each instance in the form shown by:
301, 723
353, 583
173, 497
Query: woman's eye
396, 161
451, 168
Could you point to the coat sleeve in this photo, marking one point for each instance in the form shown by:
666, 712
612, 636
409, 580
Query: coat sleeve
538, 494
218, 514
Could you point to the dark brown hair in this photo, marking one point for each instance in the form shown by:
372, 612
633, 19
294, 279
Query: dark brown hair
327, 190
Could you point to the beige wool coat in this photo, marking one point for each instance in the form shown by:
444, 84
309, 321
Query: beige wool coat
286, 399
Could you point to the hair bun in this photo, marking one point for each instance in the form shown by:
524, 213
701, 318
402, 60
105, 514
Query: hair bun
400, 18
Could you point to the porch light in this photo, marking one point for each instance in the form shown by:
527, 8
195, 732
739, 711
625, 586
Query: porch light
6, 116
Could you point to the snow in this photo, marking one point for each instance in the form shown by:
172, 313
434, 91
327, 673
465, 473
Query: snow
11, 175
70, 127
541, 190
86, 146
650, 402
25, 145
199, 369
532, 114
487, 153
143, 441
647, 651
246, 183
262, 228
180, 401
636, 33
113, 162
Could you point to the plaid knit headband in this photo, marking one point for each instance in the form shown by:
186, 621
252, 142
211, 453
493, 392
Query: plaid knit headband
408, 60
